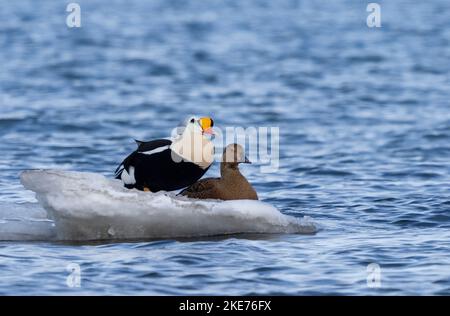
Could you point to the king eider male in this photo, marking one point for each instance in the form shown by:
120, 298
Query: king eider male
168, 165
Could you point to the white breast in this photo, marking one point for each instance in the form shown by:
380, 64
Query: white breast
195, 148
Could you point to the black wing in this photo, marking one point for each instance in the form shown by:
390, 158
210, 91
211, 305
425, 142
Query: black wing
142, 147
153, 144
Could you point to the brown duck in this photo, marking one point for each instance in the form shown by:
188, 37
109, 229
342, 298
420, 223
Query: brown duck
231, 185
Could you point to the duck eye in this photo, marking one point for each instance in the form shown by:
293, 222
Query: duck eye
192, 120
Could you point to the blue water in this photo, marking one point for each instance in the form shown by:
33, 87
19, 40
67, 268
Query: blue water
364, 117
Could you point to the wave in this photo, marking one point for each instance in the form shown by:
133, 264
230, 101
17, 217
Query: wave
89, 206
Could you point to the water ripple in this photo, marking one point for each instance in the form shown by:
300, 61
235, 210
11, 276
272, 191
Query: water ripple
364, 123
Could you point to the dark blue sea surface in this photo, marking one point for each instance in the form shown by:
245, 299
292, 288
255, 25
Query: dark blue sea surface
364, 118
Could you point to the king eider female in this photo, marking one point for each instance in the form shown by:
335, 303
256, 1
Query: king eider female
231, 185
168, 165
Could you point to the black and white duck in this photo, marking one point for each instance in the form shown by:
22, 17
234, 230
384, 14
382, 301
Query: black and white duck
170, 164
